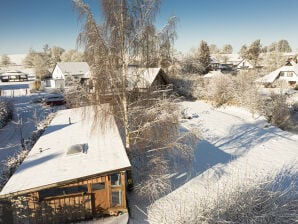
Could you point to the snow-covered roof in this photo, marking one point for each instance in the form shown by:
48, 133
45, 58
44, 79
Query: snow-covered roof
141, 77
245, 63
73, 68
271, 77
48, 164
212, 74
213, 60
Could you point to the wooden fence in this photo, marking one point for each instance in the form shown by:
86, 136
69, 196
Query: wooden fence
64, 209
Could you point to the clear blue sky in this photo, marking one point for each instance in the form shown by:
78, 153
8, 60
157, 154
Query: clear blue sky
28, 24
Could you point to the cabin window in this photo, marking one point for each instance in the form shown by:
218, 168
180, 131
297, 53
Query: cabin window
115, 179
282, 74
116, 198
53, 192
98, 186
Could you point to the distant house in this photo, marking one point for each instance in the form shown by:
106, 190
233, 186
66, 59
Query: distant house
244, 64
144, 79
214, 63
288, 74
13, 76
65, 71
75, 171
225, 62
233, 59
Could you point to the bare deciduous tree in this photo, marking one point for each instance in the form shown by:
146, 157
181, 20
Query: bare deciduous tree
5, 60
127, 35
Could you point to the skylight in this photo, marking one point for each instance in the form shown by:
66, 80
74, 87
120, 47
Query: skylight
77, 148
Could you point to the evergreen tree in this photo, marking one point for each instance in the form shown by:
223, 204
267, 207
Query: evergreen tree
254, 51
204, 56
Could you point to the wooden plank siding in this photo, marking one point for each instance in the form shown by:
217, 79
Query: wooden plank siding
47, 207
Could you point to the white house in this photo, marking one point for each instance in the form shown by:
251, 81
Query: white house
288, 74
65, 70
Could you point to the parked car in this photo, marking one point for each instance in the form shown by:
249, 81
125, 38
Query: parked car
54, 99
38, 99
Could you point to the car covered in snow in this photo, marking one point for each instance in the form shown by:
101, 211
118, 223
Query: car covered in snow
54, 99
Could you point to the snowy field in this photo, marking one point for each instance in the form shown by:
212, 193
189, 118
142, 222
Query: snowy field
24, 110
236, 148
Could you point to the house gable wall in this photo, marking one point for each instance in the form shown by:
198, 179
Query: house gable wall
57, 73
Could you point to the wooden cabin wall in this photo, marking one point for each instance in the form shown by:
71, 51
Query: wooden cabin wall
35, 209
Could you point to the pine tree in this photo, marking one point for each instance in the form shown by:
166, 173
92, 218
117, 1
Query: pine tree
204, 56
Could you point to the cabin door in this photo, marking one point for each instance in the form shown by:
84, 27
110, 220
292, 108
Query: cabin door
100, 199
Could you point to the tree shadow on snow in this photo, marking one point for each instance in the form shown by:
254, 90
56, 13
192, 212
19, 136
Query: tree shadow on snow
205, 156
242, 138
31, 163
54, 128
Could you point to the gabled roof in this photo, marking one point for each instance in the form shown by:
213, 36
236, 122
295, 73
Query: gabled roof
73, 68
271, 77
245, 63
142, 77
48, 164
213, 60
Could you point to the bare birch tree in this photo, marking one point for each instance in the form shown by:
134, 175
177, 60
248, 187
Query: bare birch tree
127, 35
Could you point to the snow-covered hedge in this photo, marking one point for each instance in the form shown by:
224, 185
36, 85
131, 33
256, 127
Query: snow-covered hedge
5, 112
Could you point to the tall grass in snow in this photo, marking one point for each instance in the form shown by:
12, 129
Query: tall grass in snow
273, 200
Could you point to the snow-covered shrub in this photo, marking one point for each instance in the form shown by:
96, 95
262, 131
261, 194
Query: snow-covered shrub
184, 85
11, 164
276, 110
6, 112
76, 93
221, 90
295, 106
273, 201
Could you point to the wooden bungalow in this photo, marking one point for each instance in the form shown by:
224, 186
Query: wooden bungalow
146, 79
75, 171
141, 81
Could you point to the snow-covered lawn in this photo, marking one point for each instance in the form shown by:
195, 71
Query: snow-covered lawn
237, 148
24, 109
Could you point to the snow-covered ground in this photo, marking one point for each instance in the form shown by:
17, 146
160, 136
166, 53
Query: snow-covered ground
236, 147
10, 135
